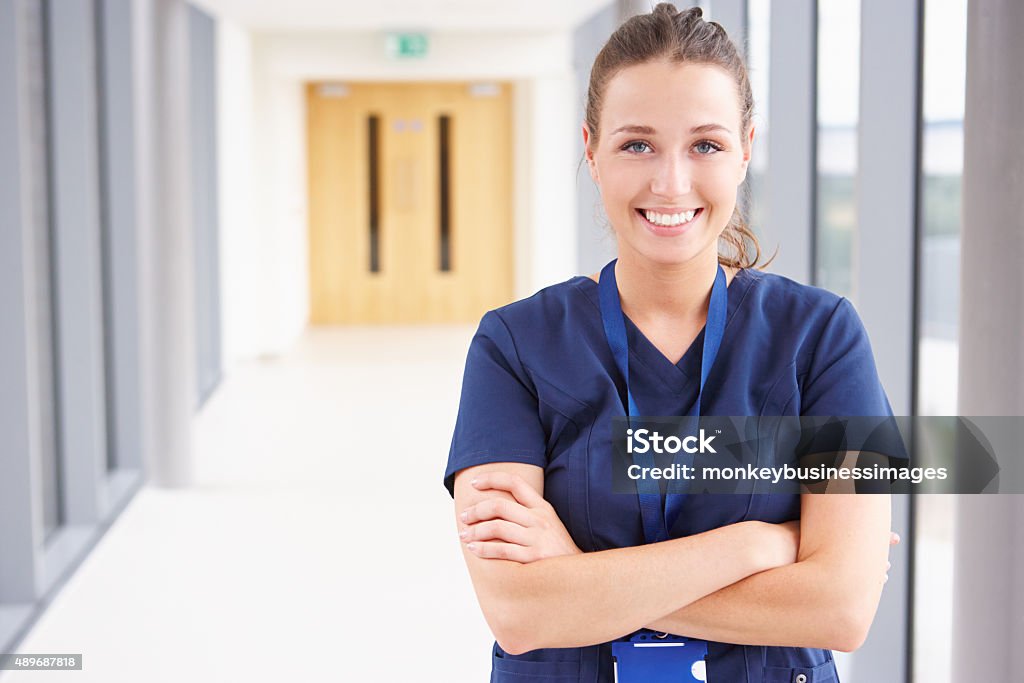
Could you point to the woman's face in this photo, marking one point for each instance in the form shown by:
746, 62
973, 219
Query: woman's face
669, 144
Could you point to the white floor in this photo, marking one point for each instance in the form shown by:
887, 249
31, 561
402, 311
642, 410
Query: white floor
318, 543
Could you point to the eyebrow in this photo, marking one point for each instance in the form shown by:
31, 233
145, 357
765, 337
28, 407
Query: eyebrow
647, 130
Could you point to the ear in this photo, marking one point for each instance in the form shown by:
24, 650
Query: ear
748, 146
589, 154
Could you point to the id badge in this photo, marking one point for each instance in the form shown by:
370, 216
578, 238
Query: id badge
648, 658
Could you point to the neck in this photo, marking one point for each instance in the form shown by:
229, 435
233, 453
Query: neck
653, 290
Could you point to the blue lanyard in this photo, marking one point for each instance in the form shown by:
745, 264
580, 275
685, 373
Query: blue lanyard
657, 519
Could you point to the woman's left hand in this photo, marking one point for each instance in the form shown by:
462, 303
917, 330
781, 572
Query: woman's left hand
523, 530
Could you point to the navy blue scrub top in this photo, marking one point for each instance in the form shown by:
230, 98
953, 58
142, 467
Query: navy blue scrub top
541, 387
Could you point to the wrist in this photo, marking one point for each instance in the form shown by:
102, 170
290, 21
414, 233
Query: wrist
766, 546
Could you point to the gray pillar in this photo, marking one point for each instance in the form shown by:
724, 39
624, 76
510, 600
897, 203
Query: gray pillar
884, 261
886, 189
78, 332
988, 618
21, 525
165, 240
790, 177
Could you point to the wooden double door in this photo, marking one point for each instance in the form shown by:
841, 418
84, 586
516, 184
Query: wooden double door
410, 201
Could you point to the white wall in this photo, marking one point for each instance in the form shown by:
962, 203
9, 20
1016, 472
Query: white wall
280, 199
241, 287
263, 161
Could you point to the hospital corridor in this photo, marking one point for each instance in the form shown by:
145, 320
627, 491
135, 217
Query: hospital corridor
306, 493
246, 247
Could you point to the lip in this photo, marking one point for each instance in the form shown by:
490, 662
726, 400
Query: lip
665, 209
665, 230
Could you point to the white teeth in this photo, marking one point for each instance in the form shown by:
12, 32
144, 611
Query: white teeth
670, 219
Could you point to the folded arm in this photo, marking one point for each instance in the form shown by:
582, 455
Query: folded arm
581, 599
826, 599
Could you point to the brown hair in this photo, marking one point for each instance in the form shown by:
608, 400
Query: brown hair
681, 37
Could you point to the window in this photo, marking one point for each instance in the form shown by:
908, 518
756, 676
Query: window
945, 64
40, 149
943, 91
758, 60
838, 84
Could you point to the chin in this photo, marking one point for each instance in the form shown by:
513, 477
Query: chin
666, 254
670, 250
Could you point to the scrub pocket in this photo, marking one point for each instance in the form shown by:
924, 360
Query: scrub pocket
552, 665
822, 673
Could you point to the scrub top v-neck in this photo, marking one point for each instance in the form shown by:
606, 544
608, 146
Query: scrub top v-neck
541, 386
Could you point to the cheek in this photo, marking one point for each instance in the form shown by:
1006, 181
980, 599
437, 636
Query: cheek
620, 184
721, 181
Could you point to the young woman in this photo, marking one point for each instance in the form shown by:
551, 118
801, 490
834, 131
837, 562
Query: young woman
563, 567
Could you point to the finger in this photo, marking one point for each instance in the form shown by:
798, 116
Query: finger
894, 538
496, 550
498, 508
495, 530
513, 483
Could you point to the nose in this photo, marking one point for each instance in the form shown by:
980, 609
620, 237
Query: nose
673, 177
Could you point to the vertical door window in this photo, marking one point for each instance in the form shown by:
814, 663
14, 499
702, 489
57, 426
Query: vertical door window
444, 186
373, 151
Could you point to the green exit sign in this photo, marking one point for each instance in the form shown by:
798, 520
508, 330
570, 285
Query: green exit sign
407, 45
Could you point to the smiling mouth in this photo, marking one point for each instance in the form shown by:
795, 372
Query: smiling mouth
670, 229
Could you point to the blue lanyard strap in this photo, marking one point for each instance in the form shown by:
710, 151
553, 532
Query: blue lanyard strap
658, 518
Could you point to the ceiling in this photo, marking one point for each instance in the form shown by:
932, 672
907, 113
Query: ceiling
409, 15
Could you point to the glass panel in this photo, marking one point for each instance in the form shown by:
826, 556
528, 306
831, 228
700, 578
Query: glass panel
943, 93
373, 136
838, 101
203, 160
105, 237
444, 123
758, 59
945, 64
40, 176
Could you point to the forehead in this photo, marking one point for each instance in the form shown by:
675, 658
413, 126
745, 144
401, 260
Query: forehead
671, 97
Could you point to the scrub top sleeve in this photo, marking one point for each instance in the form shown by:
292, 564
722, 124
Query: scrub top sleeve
498, 418
842, 380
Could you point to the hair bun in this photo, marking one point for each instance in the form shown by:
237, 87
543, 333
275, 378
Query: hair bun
687, 16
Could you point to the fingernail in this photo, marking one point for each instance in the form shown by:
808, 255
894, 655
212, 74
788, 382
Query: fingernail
464, 516
473, 483
471, 546
464, 533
